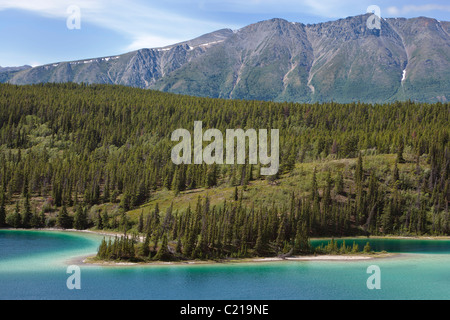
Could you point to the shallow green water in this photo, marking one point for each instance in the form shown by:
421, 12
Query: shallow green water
33, 266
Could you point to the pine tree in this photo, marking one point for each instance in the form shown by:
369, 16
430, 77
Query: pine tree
125, 201
400, 149
314, 187
261, 241
80, 220
102, 250
2, 210
395, 174
340, 183
106, 192
176, 182
236, 194
163, 252
27, 214
42, 219
64, 221
140, 227
281, 233
301, 241
359, 173
105, 218
211, 179
145, 247
178, 248
124, 223
35, 220
327, 192
99, 221
14, 219
367, 248
355, 247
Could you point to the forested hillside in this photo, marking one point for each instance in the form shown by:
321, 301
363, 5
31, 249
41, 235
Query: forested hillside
98, 156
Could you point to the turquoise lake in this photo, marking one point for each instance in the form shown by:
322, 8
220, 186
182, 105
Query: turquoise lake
33, 265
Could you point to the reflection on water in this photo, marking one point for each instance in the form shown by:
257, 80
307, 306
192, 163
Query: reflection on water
395, 245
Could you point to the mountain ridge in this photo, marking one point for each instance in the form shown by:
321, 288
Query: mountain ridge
278, 60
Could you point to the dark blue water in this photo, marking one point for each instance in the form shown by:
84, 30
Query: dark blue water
39, 272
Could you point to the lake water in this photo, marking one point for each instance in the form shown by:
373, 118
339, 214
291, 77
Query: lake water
33, 265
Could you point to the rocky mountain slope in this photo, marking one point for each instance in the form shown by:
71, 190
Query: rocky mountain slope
340, 61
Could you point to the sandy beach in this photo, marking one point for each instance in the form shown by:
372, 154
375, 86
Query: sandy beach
357, 257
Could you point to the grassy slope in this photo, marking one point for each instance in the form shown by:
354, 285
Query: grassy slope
265, 192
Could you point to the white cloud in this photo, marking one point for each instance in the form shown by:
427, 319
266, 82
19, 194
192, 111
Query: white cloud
323, 8
34, 63
55, 8
138, 21
150, 41
396, 11
150, 24
393, 11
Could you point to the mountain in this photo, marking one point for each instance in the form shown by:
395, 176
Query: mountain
7, 73
340, 61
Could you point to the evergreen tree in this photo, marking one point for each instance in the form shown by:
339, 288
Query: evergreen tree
36, 220
2, 210
355, 248
145, 248
359, 173
140, 227
314, 187
105, 219
176, 182
400, 150
301, 241
64, 221
99, 221
27, 214
42, 219
211, 179
395, 174
102, 250
125, 201
163, 252
80, 219
14, 219
367, 248
261, 241
340, 183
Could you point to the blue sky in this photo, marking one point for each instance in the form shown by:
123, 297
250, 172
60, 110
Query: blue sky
35, 32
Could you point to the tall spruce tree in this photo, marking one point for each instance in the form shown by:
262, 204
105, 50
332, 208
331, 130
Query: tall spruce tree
64, 221
2, 209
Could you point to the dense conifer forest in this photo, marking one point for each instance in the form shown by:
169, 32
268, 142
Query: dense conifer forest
98, 156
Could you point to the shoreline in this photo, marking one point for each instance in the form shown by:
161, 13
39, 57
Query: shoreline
89, 260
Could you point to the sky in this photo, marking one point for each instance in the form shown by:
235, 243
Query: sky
37, 32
